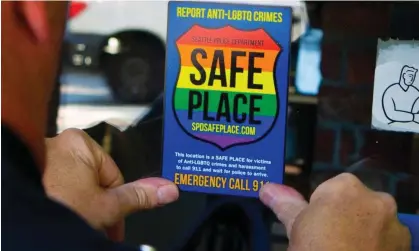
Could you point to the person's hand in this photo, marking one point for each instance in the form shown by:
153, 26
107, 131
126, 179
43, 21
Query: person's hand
342, 215
80, 175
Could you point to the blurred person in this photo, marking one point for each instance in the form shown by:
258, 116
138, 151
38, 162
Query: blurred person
66, 193
78, 174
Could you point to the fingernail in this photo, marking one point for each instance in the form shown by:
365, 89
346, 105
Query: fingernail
167, 194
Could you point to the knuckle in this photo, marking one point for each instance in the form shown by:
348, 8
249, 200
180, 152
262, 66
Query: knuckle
75, 142
72, 137
348, 179
143, 200
386, 203
76, 137
72, 132
344, 185
324, 190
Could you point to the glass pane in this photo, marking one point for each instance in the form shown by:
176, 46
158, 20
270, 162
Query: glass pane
113, 72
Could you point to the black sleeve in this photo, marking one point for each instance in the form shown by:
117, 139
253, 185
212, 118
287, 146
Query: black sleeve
30, 220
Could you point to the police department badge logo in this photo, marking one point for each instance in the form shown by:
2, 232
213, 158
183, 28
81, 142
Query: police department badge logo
226, 92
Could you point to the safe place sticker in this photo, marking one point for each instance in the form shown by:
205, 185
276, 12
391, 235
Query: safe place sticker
226, 96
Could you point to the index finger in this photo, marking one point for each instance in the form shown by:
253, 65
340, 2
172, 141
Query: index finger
108, 172
109, 177
285, 202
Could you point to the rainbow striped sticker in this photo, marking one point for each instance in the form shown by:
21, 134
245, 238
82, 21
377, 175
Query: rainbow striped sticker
226, 96
226, 91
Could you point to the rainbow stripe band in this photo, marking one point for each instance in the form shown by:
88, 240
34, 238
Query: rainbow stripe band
204, 123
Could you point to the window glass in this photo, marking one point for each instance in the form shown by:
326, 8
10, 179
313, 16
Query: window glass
112, 81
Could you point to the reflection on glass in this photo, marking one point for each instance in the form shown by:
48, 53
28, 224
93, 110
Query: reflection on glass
308, 76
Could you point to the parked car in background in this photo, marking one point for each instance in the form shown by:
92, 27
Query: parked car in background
125, 40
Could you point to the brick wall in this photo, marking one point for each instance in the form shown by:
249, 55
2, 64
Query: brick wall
344, 136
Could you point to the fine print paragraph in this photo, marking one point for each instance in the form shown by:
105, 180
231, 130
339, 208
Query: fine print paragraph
221, 164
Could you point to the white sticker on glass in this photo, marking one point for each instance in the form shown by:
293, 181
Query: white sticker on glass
396, 86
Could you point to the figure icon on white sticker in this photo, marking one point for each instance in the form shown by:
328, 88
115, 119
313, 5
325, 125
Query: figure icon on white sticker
400, 100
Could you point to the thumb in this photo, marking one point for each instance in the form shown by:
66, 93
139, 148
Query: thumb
284, 201
140, 195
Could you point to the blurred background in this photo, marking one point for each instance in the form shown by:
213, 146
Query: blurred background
112, 78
